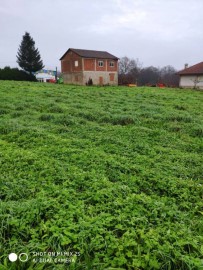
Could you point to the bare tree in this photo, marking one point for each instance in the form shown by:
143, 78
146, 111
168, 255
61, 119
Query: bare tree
128, 70
196, 80
131, 71
168, 76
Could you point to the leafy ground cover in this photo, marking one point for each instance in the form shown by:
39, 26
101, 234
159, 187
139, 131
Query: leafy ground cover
109, 177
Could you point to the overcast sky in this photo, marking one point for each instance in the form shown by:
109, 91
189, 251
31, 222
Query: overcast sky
157, 32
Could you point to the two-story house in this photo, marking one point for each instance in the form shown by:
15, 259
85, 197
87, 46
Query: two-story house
80, 66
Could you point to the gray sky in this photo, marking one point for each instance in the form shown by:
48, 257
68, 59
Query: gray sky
157, 32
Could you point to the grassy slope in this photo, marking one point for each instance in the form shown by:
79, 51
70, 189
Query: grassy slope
112, 173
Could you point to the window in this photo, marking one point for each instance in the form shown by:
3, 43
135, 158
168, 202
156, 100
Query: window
111, 64
76, 63
101, 63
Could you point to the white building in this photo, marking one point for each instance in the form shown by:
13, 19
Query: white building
191, 77
45, 75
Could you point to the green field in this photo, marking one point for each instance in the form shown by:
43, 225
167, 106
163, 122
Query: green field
112, 175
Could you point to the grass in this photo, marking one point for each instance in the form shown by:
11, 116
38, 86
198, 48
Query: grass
109, 177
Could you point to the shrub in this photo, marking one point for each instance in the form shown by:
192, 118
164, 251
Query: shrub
15, 74
46, 117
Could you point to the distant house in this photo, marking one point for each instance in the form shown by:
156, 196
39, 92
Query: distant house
45, 75
191, 77
86, 66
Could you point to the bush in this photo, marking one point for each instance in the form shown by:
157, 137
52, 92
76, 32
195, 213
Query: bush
15, 74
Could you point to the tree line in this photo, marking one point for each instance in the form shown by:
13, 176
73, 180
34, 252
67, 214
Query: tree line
15, 74
132, 72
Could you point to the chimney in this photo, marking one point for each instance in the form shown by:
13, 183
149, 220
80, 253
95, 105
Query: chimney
186, 65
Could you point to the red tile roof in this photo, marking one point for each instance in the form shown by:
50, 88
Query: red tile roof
91, 54
193, 70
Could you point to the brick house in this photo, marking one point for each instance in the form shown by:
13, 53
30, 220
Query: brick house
191, 77
78, 66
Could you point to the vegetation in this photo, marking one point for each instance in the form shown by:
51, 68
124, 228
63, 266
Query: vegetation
15, 74
28, 56
111, 175
131, 71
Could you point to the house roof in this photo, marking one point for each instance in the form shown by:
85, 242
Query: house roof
91, 54
193, 70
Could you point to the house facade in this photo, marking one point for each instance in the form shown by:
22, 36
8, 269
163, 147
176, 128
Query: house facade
82, 66
191, 77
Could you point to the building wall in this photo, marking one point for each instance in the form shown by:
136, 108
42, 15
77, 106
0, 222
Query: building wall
73, 78
101, 77
114, 68
71, 63
93, 64
98, 78
101, 68
188, 81
89, 64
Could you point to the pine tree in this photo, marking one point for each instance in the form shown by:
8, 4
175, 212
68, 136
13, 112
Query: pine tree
28, 57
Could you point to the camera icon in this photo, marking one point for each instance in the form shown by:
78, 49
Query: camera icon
23, 257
